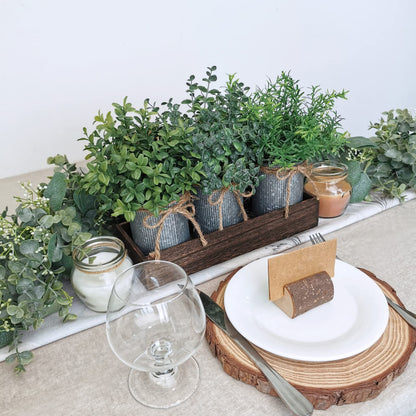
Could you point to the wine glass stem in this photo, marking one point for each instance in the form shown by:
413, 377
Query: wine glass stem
164, 378
170, 372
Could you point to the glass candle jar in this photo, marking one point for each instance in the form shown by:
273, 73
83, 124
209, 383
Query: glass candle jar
97, 264
328, 183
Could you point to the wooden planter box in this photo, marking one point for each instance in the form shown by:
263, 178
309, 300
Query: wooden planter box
232, 241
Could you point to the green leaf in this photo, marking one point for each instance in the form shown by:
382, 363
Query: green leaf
54, 252
70, 317
129, 197
103, 178
14, 310
11, 358
5, 338
67, 263
73, 228
25, 214
238, 146
25, 357
361, 189
63, 310
15, 267
147, 170
84, 202
129, 216
13, 278
136, 174
63, 301
20, 368
393, 153
81, 238
56, 190
358, 142
131, 166
23, 285
57, 284
39, 291
142, 160
46, 221
60, 269
408, 158
354, 171
28, 247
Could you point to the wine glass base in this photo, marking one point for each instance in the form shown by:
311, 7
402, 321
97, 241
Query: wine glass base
164, 391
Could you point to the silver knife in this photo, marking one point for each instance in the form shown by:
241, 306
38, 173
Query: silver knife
408, 316
291, 397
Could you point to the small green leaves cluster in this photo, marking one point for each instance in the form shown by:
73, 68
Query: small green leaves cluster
385, 162
36, 243
139, 159
146, 158
357, 177
293, 126
222, 133
391, 164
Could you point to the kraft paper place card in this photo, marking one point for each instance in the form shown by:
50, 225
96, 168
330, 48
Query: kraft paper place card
291, 267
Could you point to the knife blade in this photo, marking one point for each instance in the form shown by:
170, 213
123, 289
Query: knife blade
290, 396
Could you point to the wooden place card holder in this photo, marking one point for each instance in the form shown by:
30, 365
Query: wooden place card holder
301, 280
232, 241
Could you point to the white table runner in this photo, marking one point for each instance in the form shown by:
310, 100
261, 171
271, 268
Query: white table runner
54, 329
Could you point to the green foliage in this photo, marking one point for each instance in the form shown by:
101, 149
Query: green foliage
139, 159
221, 133
387, 162
392, 164
292, 126
359, 181
36, 244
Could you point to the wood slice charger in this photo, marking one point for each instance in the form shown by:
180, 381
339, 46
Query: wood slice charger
350, 380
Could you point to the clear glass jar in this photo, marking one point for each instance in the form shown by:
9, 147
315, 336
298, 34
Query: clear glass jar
97, 264
328, 183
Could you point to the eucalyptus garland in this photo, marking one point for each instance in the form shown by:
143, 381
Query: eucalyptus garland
36, 243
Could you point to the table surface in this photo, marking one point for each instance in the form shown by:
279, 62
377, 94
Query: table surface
80, 374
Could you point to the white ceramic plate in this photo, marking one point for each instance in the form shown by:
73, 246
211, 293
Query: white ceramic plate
350, 323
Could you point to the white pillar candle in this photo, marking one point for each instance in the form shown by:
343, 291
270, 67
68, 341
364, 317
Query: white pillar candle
96, 267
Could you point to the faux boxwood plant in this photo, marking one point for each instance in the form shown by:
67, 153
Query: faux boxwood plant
139, 159
221, 133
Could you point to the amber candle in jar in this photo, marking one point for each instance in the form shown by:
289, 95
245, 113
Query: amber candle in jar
328, 183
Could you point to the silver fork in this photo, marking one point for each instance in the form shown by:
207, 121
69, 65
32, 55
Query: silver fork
408, 316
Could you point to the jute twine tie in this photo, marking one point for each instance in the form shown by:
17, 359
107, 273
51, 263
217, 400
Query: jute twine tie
283, 174
185, 207
220, 201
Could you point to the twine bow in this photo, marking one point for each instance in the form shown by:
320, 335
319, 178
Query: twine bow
283, 174
185, 207
220, 201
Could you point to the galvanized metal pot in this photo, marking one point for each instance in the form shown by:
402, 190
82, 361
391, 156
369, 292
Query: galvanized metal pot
175, 231
209, 207
271, 194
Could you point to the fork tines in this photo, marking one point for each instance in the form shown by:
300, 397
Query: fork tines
316, 238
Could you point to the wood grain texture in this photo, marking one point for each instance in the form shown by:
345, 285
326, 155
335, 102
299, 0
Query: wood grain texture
305, 294
232, 241
350, 380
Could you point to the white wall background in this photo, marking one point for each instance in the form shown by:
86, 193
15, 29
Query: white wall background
62, 61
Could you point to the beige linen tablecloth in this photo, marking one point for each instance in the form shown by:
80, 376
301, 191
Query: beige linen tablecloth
79, 375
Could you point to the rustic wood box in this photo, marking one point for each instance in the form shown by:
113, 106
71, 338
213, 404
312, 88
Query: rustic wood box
232, 241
